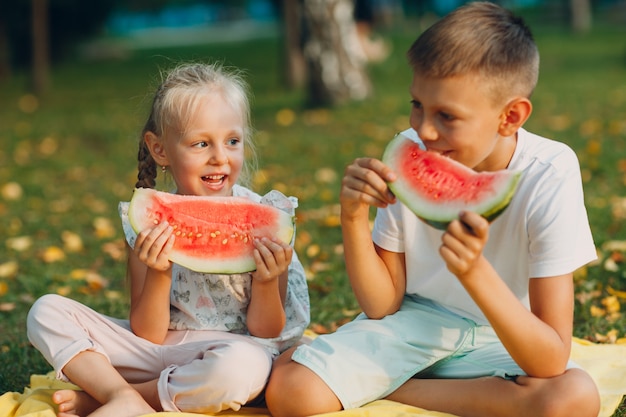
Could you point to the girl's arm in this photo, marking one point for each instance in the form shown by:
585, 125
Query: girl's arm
266, 314
150, 274
538, 340
377, 276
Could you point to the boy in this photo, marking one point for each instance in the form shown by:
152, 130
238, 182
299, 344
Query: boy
476, 320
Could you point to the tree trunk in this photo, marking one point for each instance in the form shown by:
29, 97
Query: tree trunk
335, 59
295, 66
5, 64
41, 54
580, 15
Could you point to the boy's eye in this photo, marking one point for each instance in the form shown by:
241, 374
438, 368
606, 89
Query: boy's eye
446, 116
233, 141
200, 144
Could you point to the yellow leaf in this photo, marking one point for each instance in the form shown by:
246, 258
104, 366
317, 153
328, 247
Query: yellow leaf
597, 311
616, 293
11, 191
285, 117
19, 243
312, 251
65, 290
8, 269
103, 227
326, 175
611, 303
52, 254
71, 241
4, 288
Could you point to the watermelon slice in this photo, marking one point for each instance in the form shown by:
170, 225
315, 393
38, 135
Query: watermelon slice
213, 234
437, 188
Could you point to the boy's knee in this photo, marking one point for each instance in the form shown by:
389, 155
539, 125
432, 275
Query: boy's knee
573, 394
296, 391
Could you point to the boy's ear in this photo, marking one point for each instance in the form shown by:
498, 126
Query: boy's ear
514, 115
156, 148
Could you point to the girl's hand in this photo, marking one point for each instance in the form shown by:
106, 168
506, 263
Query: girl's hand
272, 258
365, 183
153, 246
463, 243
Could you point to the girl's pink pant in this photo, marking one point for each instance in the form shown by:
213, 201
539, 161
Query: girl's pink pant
197, 371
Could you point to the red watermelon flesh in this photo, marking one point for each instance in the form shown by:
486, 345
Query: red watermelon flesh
437, 188
213, 234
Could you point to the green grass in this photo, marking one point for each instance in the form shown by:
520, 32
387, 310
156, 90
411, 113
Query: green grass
74, 159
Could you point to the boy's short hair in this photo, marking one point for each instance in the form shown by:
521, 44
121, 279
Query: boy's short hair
482, 39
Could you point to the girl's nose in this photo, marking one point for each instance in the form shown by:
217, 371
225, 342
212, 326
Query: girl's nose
218, 156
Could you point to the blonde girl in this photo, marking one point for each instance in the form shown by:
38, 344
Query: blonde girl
193, 342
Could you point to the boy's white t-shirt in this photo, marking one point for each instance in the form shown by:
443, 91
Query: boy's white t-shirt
544, 232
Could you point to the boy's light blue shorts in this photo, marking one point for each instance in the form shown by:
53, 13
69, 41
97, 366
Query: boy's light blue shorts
366, 360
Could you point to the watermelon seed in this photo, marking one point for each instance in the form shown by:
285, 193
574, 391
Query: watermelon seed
199, 235
155, 221
178, 233
213, 234
217, 233
225, 241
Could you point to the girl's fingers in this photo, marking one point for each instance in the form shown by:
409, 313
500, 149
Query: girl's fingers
271, 257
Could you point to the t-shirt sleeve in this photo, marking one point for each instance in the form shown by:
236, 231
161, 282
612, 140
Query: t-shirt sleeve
560, 239
387, 231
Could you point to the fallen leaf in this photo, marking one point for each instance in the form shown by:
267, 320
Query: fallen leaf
103, 227
72, 242
285, 117
19, 243
11, 191
7, 306
52, 254
8, 269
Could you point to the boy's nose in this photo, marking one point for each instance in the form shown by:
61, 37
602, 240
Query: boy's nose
425, 130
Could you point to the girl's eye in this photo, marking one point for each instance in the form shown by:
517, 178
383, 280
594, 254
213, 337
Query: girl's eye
416, 104
233, 141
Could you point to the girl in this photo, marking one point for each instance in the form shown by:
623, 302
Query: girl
194, 342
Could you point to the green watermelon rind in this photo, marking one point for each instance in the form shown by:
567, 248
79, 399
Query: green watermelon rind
139, 217
439, 216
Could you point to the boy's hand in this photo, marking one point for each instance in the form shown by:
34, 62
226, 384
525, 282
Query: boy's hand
463, 243
153, 246
272, 258
365, 183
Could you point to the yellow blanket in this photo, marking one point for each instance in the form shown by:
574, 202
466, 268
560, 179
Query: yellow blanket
605, 363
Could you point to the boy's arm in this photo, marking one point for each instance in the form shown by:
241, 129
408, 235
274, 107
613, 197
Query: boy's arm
538, 340
377, 276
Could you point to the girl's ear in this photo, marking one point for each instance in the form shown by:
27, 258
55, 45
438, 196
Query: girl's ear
156, 148
514, 115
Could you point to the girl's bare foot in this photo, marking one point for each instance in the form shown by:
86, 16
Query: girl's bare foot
74, 403
127, 403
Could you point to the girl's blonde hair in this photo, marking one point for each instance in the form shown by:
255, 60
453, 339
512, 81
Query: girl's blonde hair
483, 39
175, 102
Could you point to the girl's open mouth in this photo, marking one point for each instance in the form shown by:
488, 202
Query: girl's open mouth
214, 179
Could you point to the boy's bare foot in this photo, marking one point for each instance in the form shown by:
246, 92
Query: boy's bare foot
80, 404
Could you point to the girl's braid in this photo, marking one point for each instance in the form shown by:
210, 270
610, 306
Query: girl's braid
147, 168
